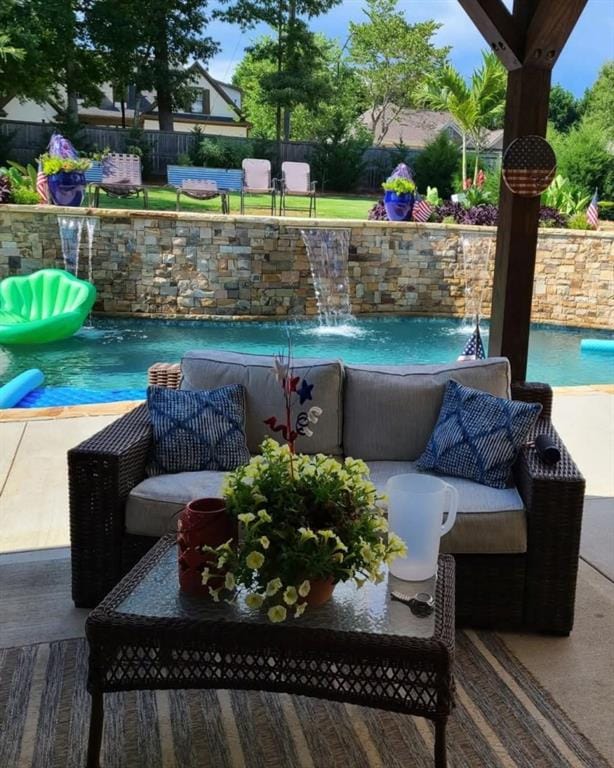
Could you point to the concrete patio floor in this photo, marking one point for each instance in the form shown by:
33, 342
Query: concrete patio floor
35, 603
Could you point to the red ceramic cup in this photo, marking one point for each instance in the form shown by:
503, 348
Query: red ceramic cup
202, 522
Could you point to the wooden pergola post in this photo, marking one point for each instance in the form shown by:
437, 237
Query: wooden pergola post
528, 42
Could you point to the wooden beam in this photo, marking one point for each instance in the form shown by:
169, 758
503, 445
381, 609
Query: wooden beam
526, 113
498, 28
549, 30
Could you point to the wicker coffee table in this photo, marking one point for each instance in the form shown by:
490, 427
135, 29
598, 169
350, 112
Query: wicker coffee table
361, 647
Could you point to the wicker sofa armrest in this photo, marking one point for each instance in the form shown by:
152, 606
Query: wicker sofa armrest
554, 498
166, 375
101, 472
534, 392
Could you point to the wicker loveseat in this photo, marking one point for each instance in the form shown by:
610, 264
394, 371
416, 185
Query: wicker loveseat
516, 565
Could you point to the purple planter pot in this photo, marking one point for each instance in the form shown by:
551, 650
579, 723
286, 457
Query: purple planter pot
67, 187
398, 207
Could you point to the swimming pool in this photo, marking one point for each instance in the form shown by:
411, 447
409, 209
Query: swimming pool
115, 353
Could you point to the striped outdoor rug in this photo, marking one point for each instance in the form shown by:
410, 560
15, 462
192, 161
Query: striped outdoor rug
503, 719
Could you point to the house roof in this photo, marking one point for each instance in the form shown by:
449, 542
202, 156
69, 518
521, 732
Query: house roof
417, 127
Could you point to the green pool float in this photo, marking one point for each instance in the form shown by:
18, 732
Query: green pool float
47, 305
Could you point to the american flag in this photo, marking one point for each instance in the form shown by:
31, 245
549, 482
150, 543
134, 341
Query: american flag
474, 348
42, 186
592, 212
422, 211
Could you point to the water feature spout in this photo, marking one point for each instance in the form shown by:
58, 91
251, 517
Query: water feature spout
476, 258
327, 250
71, 230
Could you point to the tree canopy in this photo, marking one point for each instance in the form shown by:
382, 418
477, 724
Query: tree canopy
310, 119
565, 110
393, 58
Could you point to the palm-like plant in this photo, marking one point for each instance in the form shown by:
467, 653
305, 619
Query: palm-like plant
475, 107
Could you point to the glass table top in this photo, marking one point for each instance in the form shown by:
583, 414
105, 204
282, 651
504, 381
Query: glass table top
369, 609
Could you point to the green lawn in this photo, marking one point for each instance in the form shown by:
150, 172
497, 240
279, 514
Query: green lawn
328, 207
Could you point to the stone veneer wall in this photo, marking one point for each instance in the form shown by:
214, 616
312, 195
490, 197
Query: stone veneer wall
197, 265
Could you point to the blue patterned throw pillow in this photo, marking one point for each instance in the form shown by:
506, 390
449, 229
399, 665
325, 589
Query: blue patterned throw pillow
198, 430
477, 436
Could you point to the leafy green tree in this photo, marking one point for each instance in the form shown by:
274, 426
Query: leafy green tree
9, 51
328, 116
584, 157
599, 100
436, 164
392, 58
476, 107
151, 51
565, 110
297, 76
57, 62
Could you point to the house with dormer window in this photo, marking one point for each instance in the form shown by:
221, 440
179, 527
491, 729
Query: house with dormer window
215, 107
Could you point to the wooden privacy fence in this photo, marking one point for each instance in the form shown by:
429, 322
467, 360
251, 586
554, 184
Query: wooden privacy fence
28, 140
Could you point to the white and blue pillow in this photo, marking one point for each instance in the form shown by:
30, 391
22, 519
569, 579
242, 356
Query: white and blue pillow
198, 430
477, 435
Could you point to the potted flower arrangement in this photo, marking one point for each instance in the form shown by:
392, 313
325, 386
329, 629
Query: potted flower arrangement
308, 521
398, 197
65, 172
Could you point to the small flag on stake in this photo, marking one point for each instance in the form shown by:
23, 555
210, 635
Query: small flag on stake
592, 212
421, 211
42, 187
474, 348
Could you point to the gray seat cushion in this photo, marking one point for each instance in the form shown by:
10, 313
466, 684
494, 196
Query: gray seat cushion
489, 520
208, 369
152, 506
390, 411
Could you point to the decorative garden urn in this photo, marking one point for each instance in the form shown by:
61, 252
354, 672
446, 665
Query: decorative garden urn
202, 522
398, 206
67, 187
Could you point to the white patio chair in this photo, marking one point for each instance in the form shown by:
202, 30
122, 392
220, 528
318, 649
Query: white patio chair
257, 181
296, 181
121, 177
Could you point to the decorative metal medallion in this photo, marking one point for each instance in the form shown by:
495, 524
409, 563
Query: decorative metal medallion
529, 165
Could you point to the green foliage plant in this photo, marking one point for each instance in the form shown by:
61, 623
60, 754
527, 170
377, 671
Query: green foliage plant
476, 107
23, 176
24, 196
578, 221
584, 155
304, 518
338, 160
606, 210
564, 197
564, 110
436, 164
52, 164
399, 185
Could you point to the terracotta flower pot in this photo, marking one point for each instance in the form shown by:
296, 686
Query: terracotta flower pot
321, 591
202, 522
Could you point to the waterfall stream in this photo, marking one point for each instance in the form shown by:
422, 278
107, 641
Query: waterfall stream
327, 250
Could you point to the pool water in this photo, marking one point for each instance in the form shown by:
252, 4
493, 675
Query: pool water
115, 353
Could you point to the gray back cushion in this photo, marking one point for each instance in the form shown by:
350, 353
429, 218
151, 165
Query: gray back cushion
207, 369
390, 411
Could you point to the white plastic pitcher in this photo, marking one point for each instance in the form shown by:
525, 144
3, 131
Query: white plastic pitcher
416, 506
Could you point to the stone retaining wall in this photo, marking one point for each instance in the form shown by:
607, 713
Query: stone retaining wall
199, 265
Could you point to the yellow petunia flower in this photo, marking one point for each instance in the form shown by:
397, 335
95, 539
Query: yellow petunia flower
215, 594
273, 587
230, 581
264, 542
254, 600
246, 517
304, 589
264, 516
254, 560
277, 613
290, 595
299, 610
306, 534
326, 534
206, 575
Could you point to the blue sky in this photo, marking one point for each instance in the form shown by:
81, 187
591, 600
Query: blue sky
590, 45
